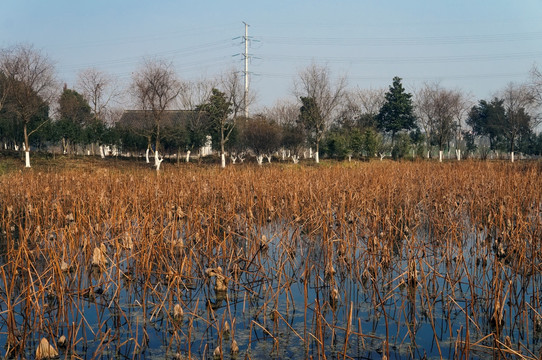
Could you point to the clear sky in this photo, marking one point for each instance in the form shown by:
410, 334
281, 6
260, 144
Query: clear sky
477, 46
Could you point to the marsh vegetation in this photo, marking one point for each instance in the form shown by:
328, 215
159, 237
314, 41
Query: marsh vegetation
357, 260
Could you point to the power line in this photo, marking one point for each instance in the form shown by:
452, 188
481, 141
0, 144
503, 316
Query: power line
395, 41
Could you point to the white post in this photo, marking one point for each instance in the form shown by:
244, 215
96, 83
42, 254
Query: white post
27, 158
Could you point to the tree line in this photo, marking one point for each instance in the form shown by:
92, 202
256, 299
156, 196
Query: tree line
327, 118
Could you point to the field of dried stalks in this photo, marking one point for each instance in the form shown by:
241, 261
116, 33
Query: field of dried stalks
365, 260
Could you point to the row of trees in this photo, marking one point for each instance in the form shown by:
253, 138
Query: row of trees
326, 117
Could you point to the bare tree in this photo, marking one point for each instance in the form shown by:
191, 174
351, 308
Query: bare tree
536, 90
315, 83
286, 114
99, 89
519, 103
155, 87
233, 86
460, 109
30, 75
263, 137
361, 107
194, 94
436, 109
101, 92
283, 112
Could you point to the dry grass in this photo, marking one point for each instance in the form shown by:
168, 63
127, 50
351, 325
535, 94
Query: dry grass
99, 253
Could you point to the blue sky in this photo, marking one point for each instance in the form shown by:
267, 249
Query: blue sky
475, 46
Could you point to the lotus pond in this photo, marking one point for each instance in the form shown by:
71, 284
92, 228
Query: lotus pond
349, 261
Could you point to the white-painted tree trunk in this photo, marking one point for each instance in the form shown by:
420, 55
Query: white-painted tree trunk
316, 157
16, 147
283, 155
233, 159
295, 159
27, 158
241, 158
310, 153
382, 156
222, 160
440, 155
269, 157
102, 152
512, 156
458, 154
188, 156
259, 159
157, 160
147, 160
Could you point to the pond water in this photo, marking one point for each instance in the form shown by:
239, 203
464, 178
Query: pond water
291, 293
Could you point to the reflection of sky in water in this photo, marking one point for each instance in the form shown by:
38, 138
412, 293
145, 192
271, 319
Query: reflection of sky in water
140, 320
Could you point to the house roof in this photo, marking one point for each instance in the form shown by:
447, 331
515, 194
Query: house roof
140, 119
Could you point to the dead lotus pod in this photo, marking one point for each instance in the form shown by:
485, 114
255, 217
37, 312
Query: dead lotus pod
45, 350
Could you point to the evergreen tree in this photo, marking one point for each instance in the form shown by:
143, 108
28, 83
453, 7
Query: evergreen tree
75, 115
218, 109
486, 119
397, 113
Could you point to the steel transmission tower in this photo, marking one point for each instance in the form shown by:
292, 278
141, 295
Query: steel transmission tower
245, 99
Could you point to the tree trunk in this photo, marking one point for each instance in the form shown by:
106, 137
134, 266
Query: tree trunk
147, 156
512, 156
440, 155
222, 153
188, 156
26, 147
157, 160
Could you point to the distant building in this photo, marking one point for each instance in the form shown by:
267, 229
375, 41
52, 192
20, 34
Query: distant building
141, 122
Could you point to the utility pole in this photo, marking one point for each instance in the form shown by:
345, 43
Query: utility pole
245, 100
